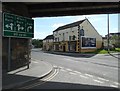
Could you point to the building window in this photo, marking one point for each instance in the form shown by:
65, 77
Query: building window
56, 33
73, 37
81, 32
70, 38
63, 36
55, 39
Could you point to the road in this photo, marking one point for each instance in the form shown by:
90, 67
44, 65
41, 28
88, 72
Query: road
79, 72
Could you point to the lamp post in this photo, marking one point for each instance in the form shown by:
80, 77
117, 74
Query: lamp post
108, 32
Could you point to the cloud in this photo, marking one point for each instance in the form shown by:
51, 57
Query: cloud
91, 18
41, 35
78, 18
114, 30
56, 25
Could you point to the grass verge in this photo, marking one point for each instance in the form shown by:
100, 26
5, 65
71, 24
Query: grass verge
103, 51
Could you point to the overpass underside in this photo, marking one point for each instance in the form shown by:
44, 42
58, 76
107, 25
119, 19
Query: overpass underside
52, 9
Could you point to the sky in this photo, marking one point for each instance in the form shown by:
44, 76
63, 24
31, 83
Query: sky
44, 26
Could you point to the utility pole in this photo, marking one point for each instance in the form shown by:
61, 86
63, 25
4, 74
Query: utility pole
108, 32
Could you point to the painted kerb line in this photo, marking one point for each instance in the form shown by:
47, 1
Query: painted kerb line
83, 76
69, 69
72, 73
102, 79
98, 81
89, 75
78, 72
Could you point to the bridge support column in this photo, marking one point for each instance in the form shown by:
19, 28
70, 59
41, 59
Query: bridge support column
16, 51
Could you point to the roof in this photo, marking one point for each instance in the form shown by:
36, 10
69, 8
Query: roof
104, 37
115, 33
118, 33
49, 37
69, 25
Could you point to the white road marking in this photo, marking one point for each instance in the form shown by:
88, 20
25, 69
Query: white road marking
104, 74
55, 66
114, 86
63, 70
83, 76
34, 62
89, 75
77, 72
102, 79
116, 83
72, 73
68, 59
60, 67
69, 69
98, 81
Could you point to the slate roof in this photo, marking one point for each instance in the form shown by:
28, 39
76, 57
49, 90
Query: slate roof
69, 25
115, 33
49, 37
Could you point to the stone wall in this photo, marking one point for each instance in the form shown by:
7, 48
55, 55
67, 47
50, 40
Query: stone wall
16, 43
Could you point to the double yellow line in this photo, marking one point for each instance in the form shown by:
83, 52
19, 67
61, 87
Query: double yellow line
45, 80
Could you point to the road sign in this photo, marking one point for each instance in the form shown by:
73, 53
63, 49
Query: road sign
17, 26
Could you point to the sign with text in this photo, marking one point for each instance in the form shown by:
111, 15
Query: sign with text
88, 42
17, 26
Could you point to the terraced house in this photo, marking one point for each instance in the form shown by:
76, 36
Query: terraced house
79, 36
48, 43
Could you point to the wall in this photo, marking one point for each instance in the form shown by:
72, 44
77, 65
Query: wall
67, 32
90, 31
18, 9
48, 45
63, 42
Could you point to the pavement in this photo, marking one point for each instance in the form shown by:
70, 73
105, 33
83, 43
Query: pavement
23, 75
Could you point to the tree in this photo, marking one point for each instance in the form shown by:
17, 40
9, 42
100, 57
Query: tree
37, 43
115, 39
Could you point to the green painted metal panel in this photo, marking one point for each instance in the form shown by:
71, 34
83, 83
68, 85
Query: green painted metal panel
17, 26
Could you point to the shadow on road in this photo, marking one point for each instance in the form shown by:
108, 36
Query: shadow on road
15, 79
114, 55
64, 85
84, 55
11, 80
